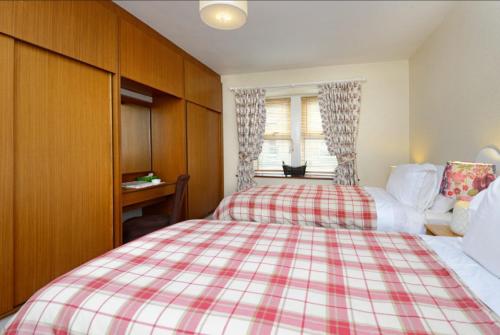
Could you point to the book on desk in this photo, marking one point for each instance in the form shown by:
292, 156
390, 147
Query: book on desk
137, 184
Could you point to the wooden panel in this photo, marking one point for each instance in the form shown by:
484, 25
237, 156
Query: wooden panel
203, 86
6, 172
63, 160
124, 15
136, 138
117, 169
168, 132
148, 60
6, 17
84, 30
204, 160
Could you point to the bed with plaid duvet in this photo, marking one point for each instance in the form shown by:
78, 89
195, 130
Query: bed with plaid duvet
330, 206
210, 277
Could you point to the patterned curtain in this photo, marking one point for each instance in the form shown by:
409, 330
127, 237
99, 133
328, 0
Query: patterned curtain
339, 105
251, 122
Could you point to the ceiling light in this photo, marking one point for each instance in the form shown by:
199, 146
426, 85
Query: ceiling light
225, 15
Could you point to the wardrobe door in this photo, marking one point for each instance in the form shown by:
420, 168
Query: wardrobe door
85, 30
204, 160
6, 16
148, 60
202, 86
6, 172
63, 166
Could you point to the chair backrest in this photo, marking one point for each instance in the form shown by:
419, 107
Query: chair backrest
180, 194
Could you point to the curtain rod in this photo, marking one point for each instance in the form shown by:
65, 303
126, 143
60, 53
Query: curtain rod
312, 83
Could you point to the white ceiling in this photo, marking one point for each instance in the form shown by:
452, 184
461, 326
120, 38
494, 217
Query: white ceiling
290, 34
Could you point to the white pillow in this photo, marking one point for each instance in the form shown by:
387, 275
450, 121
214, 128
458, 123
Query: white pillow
475, 202
482, 239
440, 173
414, 185
442, 204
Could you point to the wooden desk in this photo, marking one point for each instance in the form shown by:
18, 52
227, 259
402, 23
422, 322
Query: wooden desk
135, 198
439, 230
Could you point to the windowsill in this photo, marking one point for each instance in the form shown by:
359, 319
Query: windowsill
279, 174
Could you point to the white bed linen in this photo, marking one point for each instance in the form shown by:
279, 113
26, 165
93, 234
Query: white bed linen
480, 281
395, 216
438, 218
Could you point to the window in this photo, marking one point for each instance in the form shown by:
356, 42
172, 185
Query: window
277, 146
294, 135
313, 145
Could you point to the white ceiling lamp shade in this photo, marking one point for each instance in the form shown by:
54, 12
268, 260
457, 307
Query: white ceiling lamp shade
224, 15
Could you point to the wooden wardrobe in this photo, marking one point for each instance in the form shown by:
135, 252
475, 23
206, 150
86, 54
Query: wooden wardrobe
6, 173
62, 66
63, 206
204, 139
56, 187
204, 159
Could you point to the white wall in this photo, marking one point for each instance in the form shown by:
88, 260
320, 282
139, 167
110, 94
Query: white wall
455, 86
384, 123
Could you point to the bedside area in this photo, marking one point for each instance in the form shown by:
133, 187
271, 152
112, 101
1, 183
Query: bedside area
436, 229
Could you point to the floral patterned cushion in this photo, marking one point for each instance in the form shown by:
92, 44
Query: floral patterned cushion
466, 179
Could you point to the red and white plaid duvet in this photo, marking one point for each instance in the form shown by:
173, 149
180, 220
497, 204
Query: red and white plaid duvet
306, 205
209, 277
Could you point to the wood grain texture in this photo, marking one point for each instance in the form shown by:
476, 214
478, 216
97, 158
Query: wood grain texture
117, 169
131, 197
84, 30
123, 14
202, 86
136, 138
6, 173
168, 134
63, 159
204, 160
221, 145
6, 17
150, 61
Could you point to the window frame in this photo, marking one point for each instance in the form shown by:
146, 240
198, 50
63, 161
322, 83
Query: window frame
296, 138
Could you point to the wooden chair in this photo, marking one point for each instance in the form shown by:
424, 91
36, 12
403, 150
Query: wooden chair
139, 226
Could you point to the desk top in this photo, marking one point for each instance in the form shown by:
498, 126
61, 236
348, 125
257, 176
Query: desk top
147, 195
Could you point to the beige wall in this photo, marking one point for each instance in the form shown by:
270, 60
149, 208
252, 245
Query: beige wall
455, 86
384, 124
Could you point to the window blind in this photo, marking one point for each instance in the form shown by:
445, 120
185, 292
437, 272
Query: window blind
313, 145
278, 125
277, 146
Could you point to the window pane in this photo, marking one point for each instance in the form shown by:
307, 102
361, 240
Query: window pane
274, 152
311, 118
313, 146
317, 156
278, 118
277, 145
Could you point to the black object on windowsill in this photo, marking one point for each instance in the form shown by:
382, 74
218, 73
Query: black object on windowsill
294, 171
